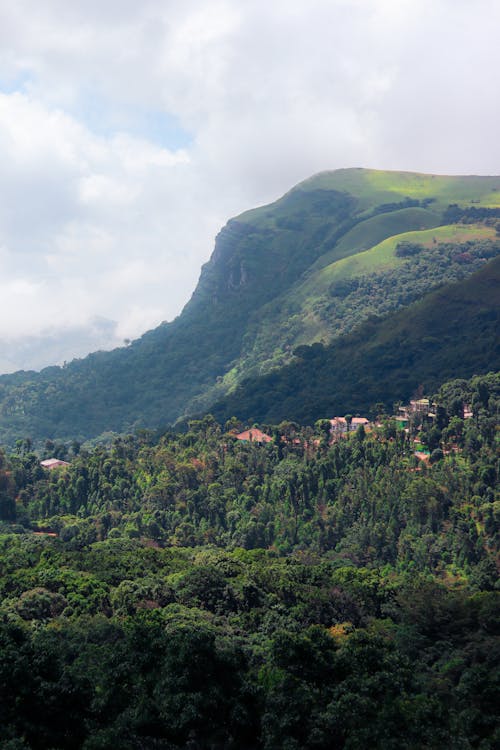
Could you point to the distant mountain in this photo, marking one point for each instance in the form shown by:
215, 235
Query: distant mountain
310, 268
55, 347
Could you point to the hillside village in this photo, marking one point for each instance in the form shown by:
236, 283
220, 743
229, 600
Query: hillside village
410, 418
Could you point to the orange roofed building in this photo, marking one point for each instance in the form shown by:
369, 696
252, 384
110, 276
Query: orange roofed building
254, 435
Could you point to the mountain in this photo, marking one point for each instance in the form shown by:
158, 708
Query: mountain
56, 346
451, 333
310, 268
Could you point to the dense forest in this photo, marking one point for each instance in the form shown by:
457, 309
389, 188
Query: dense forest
190, 590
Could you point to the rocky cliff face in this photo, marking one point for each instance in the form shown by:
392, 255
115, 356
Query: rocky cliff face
226, 271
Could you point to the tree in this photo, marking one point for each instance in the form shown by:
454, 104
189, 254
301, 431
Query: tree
7, 491
323, 427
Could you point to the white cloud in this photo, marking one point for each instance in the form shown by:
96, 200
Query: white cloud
77, 219
103, 213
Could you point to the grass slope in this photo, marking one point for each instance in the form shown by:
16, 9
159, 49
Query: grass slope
373, 186
383, 254
369, 232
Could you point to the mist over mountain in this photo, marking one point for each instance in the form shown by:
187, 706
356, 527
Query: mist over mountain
57, 346
311, 268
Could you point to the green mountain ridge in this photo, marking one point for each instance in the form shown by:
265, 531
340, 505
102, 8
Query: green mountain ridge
306, 313
451, 333
278, 278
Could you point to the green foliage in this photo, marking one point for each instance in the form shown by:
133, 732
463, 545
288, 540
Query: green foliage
452, 332
296, 594
407, 249
7, 491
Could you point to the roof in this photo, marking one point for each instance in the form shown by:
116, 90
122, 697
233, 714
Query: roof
354, 421
254, 435
52, 463
422, 456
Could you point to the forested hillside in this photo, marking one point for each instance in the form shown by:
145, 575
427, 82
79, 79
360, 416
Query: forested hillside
194, 590
452, 332
311, 267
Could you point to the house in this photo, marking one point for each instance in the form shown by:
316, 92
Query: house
53, 463
423, 456
420, 406
254, 435
339, 425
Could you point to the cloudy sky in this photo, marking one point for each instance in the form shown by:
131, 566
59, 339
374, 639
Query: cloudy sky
131, 131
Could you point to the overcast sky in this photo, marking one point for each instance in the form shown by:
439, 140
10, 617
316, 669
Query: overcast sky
131, 131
